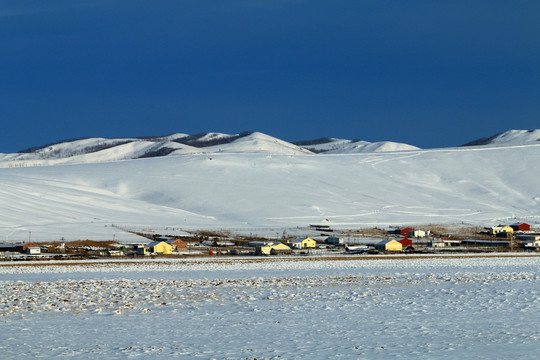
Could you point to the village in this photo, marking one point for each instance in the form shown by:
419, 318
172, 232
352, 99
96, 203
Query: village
321, 241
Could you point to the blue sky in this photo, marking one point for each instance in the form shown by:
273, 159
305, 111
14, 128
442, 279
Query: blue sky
426, 73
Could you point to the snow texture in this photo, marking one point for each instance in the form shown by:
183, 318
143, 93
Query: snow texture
482, 308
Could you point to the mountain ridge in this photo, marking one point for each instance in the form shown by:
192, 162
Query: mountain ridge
89, 150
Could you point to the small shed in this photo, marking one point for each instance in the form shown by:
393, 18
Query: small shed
33, 250
389, 245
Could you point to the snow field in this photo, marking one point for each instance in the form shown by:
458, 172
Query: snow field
484, 308
254, 191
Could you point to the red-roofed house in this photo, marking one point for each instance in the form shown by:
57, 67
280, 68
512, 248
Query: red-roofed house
177, 244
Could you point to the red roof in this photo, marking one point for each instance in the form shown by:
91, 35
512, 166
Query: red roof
178, 244
405, 242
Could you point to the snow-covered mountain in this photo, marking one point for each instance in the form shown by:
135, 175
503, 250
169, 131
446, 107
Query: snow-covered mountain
511, 137
94, 150
103, 150
258, 143
97, 150
342, 146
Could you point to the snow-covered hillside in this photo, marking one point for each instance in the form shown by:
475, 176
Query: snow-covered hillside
254, 191
98, 150
511, 137
258, 143
342, 146
95, 150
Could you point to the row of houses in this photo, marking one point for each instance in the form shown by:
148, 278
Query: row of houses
272, 248
165, 246
285, 247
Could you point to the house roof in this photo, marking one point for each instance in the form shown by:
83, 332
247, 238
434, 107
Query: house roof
297, 240
277, 245
386, 242
175, 241
155, 243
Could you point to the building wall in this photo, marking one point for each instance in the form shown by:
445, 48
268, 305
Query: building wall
309, 243
389, 246
393, 246
33, 250
163, 248
405, 231
521, 227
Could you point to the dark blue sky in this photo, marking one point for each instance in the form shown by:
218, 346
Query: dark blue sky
428, 73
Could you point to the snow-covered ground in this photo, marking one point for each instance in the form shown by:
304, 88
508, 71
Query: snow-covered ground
246, 308
255, 192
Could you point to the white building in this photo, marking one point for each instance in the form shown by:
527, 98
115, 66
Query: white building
417, 233
33, 250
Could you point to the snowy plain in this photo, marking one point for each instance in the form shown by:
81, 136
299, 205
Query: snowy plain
247, 308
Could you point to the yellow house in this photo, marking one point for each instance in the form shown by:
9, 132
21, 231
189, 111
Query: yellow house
499, 229
159, 247
389, 245
303, 243
272, 249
